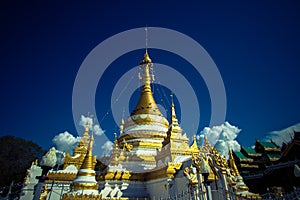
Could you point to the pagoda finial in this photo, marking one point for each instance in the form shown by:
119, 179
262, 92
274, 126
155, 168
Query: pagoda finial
146, 32
122, 126
87, 127
146, 59
115, 135
88, 162
173, 118
146, 104
232, 163
195, 141
172, 98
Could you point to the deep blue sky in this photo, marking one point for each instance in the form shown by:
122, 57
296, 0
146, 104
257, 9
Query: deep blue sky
255, 45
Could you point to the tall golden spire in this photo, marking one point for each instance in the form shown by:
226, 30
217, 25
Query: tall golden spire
85, 179
174, 125
232, 163
173, 118
86, 132
240, 186
146, 103
85, 185
88, 162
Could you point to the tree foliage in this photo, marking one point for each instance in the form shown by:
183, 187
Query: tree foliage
16, 156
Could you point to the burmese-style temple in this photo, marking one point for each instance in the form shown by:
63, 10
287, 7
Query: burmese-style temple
151, 159
268, 167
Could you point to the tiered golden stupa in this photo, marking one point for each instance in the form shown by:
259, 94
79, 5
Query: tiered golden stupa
146, 140
146, 128
79, 151
85, 186
72, 163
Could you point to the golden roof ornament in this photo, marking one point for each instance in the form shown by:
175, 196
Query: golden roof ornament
173, 118
146, 103
88, 162
87, 127
146, 58
121, 128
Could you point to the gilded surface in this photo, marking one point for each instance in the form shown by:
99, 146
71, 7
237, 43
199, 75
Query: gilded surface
172, 169
61, 176
72, 196
146, 103
84, 186
148, 120
79, 152
44, 193
191, 175
81, 173
77, 161
116, 175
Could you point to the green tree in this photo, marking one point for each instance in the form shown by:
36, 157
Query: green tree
16, 156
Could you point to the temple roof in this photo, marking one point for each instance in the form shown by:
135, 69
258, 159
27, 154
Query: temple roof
268, 145
250, 151
274, 156
241, 156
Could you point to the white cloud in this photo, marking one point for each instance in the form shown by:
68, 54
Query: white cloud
222, 137
107, 147
60, 157
97, 130
84, 120
281, 136
49, 159
65, 142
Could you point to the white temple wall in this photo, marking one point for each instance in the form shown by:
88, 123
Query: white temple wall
166, 187
28, 190
58, 189
135, 189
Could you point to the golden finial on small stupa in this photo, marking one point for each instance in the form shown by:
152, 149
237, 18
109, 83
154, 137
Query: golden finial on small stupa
92, 137
173, 113
87, 127
88, 162
121, 127
116, 137
194, 147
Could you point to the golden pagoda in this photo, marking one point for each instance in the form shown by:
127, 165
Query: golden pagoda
72, 163
85, 186
79, 151
151, 159
145, 129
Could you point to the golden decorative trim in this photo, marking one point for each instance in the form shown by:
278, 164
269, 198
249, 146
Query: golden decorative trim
69, 196
172, 169
165, 172
84, 186
81, 173
77, 161
116, 175
156, 135
148, 120
61, 176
